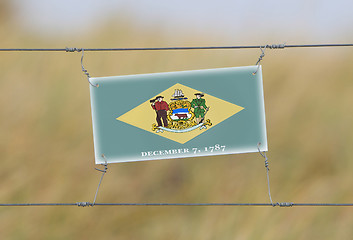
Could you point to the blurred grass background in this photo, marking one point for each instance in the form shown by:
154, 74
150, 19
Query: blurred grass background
46, 144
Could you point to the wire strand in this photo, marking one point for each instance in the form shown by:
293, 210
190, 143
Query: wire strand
272, 46
104, 171
263, 154
86, 204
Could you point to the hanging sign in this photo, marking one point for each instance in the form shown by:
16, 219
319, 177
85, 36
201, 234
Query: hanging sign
178, 114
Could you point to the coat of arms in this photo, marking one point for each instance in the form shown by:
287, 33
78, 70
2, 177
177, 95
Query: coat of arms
180, 115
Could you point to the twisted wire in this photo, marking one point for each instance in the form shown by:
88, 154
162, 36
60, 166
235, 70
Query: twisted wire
270, 46
103, 173
88, 204
82, 67
263, 154
260, 59
262, 48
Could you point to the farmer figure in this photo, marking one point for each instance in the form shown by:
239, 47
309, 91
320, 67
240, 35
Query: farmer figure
199, 105
161, 108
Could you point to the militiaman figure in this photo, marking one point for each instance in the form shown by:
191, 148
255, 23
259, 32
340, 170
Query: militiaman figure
199, 105
161, 108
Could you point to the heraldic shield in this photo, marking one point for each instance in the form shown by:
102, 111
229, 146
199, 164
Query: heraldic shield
180, 115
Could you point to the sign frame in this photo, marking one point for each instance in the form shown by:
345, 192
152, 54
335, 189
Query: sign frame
235, 94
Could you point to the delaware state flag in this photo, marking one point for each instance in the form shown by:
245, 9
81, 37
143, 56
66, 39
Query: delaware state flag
178, 114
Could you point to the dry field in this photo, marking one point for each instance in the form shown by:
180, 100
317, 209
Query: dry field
46, 146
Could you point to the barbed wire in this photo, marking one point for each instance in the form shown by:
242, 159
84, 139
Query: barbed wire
270, 46
89, 204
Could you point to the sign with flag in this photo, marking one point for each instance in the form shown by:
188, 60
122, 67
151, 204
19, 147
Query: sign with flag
178, 114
